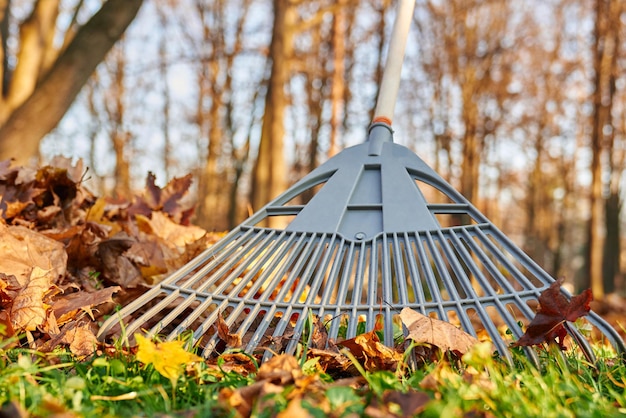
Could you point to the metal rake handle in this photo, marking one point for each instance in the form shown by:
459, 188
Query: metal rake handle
393, 67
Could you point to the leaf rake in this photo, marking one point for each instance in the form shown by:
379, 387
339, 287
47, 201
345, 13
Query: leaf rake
373, 239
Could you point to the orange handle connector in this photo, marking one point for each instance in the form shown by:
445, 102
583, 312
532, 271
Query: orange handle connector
382, 119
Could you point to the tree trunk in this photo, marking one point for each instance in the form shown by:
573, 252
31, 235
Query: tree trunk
53, 95
116, 110
605, 49
338, 83
612, 245
269, 173
5, 17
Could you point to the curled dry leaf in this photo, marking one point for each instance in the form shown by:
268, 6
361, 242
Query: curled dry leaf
373, 354
423, 329
81, 340
34, 262
319, 337
28, 310
223, 332
282, 369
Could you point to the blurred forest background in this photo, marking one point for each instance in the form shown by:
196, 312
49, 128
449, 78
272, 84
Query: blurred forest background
520, 105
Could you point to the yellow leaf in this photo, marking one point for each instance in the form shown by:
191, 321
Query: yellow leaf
168, 358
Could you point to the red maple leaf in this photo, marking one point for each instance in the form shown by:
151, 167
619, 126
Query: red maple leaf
554, 310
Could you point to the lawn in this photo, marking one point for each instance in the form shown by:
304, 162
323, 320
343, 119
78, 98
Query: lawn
120, 381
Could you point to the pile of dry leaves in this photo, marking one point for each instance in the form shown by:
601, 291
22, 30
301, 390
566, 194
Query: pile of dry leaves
64, 252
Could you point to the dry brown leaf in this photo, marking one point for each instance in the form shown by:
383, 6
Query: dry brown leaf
117, 268
319, 338
67, 307
282, 369
22, 249
78, 337
333, 362
444, 335
174, 234
149, 257
28, 310
373, 354
237, 362
223, 331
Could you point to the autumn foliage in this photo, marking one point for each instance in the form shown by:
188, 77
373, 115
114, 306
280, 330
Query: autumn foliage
65, 252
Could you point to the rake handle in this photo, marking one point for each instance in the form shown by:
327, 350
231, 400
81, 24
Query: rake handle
393, 67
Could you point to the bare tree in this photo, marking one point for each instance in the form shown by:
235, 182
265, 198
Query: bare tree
47, 78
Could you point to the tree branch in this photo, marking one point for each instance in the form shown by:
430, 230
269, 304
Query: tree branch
42, 111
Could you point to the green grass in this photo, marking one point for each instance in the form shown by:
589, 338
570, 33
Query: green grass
116, 384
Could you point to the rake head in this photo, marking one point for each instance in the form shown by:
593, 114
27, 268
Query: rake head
370, 241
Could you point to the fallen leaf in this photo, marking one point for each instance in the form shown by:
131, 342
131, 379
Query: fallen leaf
150, 258
237, 362
117, 268
81, 340
168, 358
242, 399
319, 337
554, 309
77, 336
28, 310
163, 227
223, 332
333, 362
96, 214
22, 249
282, 369
67, 307
166, 199
423, 329
373, 354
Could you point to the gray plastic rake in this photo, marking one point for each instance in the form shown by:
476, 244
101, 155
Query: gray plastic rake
373, 239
